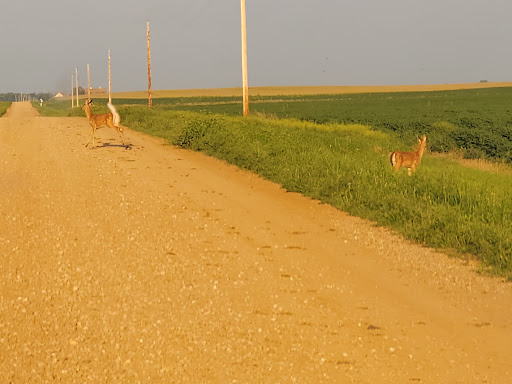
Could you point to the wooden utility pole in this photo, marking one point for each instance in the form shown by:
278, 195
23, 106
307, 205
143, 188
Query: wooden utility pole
244, 61
72, 91
88, 84
109, 80
76, 78
150, 101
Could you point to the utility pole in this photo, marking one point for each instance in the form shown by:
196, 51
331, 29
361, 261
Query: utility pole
76, 78
150, 101
88, 84
244, 61
72, 91
109, 80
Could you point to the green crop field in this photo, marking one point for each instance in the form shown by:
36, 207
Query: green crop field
335, 148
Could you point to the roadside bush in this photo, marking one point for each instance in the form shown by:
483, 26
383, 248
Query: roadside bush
192, 137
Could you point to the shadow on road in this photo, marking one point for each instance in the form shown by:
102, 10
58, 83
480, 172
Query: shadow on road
109, 145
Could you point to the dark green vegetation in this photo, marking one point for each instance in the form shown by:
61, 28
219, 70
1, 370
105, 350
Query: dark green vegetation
4, 106
444, 205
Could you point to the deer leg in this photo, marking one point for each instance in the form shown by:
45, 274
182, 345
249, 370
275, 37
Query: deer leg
91, 136
118, 129
121, 134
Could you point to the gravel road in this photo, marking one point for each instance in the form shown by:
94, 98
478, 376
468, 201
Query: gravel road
151, 264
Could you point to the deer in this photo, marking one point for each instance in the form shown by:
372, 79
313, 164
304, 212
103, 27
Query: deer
409, 160
111, 120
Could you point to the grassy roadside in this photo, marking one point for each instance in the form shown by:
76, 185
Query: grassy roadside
4, 106
57, 109
444, 205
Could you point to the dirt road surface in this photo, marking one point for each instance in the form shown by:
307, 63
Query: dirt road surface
151, 264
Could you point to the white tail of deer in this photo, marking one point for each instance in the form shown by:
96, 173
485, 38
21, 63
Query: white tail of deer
409, 160
111, 120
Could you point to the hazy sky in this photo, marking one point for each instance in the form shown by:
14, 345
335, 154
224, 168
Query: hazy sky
196, 43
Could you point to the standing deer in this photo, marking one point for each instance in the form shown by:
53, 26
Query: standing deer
111, 120
410, 160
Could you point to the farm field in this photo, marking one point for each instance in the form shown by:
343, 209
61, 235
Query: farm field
150, 262
298, 90
335, 149
311, 90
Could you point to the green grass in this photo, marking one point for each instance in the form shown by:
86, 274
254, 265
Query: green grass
58, 109
444, 205
4, 106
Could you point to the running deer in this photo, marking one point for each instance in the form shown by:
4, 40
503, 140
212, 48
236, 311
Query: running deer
111, 120
409, 160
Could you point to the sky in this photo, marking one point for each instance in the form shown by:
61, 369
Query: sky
197, 43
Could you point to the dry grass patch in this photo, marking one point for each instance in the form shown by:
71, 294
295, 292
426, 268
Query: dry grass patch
479, 164
304, 90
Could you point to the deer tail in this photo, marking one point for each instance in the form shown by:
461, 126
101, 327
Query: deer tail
116, 118
392, 158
